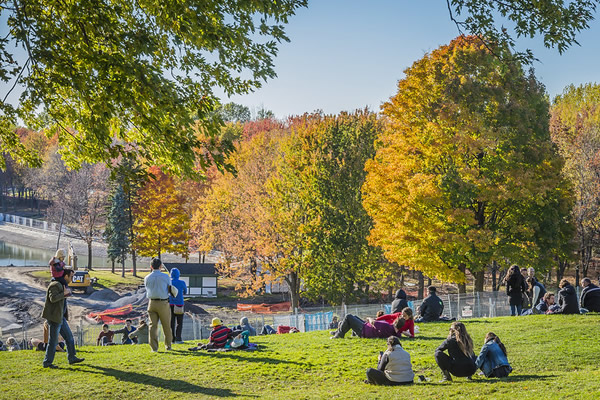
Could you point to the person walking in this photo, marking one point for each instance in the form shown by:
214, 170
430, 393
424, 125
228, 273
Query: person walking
177, 305
56, 313
157, 292
515, 289
460, 360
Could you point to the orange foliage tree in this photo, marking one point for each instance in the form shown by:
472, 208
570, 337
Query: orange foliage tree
161, 221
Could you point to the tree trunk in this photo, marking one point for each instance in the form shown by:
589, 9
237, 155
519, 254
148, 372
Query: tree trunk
560, 270
479, 281
429, 282
134, 260
113, 265
462, 287
89, 243
421, 287
494, 270
123, 268
390, 295
294, 286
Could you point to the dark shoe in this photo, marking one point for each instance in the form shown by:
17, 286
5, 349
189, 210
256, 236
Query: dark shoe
422, 378
447, 377
51, 366
336, 337
76, 360
469, 378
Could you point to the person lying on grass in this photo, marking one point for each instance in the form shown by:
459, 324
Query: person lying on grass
408, 329
105, 338
394, 367
218, 337
492, 359
369, 329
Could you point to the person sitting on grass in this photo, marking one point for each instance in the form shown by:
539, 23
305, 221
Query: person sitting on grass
125, 331
590, 296
369, 329
379, 314
218, 336
400, 302
492, 359
105, 338
334, 322
12, 345
394, 367
460, 360
432, 307
567, 298
408, 329
140, 335
536, 291
548, 304
245, 326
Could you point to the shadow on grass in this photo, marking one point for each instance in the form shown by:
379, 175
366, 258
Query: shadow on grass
175, 385
489, 381
520, 378
234, 355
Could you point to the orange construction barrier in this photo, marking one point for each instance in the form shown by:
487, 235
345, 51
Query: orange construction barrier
264, 308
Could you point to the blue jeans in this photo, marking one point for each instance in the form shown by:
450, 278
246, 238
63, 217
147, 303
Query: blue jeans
516, 309
64, 330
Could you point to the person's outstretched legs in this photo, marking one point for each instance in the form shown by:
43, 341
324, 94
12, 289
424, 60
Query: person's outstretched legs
349, 322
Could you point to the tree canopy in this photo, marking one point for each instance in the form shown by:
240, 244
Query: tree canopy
466, 172
115, 76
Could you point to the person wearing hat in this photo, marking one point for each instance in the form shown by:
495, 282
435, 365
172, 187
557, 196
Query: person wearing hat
57, 266
56, 313
218, 336
157, 291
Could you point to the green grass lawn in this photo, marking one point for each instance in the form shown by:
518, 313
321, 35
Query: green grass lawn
553, 357
105, 278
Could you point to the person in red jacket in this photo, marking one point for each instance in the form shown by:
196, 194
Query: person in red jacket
408, 329
218, 336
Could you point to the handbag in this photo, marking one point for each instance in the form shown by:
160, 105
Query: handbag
177, 310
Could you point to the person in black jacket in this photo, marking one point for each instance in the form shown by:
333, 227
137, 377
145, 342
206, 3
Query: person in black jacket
460, 360
515, 289
399, 302
590, 296
432, 307
567, 298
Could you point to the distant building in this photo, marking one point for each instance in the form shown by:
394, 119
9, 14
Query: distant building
201, 279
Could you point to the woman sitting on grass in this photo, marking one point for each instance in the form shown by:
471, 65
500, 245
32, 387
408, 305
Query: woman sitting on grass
408, 329
460, 360
394, 366
492, 359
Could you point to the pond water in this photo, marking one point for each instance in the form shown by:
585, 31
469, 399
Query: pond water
19, 255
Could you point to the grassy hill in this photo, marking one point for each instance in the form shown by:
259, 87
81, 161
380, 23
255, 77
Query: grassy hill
552, 356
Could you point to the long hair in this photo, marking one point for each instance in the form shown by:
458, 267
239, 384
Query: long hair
408, 312
393, 341
459, 332
514, 269
530, 283
492, 336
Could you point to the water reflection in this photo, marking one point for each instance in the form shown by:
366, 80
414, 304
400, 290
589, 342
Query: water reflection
19, 255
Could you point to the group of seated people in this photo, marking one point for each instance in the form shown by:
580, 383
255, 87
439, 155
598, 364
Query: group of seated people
130, 334
544, 302
222, 337
455, 357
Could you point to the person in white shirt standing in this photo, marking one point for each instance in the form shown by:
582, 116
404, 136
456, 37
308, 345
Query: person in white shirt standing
157, 291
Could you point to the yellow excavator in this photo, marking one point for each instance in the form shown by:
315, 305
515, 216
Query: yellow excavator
81, 279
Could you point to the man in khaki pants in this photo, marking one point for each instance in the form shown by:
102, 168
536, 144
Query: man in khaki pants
157, 291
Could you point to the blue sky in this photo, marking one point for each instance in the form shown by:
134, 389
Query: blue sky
348, 54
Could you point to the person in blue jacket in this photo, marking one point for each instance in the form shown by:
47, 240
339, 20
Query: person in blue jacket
492, 359
177, 305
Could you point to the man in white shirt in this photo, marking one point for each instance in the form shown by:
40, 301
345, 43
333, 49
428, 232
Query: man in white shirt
157, 291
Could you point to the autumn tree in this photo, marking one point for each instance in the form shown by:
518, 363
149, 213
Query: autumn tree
133, 76
321, 177
466, 172
161, 222
575, 128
